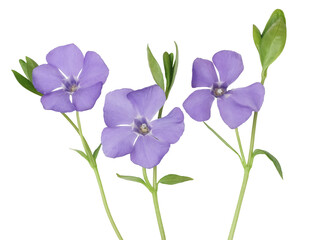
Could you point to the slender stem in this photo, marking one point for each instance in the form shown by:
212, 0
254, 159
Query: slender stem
221, 138
71, 122
250, 159
156, 203
240, 199
247, 168
147, 180
95, 169
243, 159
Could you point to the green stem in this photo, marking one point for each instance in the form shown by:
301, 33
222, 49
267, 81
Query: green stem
243, 159
222, 139
156, 204
147, 180
247, 168
71, 122
240, 199
95, 169
250, 159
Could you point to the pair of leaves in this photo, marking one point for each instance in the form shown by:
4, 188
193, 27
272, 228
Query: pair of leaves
271, 157
271, 42
170, 68
26, 82
84, 155
170, 179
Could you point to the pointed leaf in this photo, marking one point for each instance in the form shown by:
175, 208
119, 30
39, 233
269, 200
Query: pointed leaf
277, 14
168, 68
172, 57
155, 69
273, 39
256, 37
25, 83
24, 66
81, 153
31, 64
175, 68
172, 179
132, 178
271, 157
96, 152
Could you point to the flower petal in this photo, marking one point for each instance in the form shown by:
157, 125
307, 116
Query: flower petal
46, 78
69, 59
94, 70
251, 96
170, 128
58, 101
229, 65
85, 98
117, 141
232, 113
148, 151
198, 104
147, 101
203, 73
118, 109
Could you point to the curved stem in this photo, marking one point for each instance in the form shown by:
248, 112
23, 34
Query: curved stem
156, 203
240, 199
95, 169
250, 159
222, 140
243, 159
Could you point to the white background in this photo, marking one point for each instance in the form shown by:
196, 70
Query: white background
49, 192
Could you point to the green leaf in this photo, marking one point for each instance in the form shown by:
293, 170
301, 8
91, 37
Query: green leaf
172, 179
168, 68
271, 157
172, 57
155, 69
277, 14
24, 66
81, 153
175, 68
31, 64
273, 39
132, 178
96, 152
256, 37
25, 83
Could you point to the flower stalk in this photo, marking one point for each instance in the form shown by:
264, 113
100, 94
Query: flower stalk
93, 164
247, 168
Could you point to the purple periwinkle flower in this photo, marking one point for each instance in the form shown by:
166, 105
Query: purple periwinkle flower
129, 130
236, 105
70, 81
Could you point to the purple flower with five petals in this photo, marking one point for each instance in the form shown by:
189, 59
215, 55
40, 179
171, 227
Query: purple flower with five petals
70, 81
129, 130
235, 106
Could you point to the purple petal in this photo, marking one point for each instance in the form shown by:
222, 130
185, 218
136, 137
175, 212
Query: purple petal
69, 59
46, 78
232, 113
148, 151
229, 65
85, 98
117, 141
170, 128
94, 70
147, 101
198, 104
118, 109
58, 101
251, 96
203, 73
